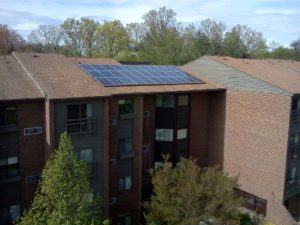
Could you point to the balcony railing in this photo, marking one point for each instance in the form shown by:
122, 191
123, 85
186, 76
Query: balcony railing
81, 126
294, 151
292, 187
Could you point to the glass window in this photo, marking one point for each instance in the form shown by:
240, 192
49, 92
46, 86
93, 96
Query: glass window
125, 145
296, 104
181, 133
165, 101
86, 155
126, 219
8, 116
183, 100
125, 183
79, 111
15, 212
125, 106
164, 134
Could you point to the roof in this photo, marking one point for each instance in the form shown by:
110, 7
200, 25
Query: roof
216, 69
284, 74
15, 84
60, 77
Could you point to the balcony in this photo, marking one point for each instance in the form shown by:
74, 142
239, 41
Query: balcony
292, 187
294, 152
81, 126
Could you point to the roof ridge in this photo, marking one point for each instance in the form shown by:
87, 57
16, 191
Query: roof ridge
28, 74
212, 58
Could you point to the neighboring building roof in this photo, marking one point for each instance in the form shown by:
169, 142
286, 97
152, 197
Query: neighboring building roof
14, 83
59, 78
284, 74
218, 70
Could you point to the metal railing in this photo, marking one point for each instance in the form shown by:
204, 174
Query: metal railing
81, 126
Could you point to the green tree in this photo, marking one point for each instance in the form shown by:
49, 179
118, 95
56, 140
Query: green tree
64, 195
162, 43
242, 41
195, 44
80, 36
295, 45
112, 38
214, 31
188, 195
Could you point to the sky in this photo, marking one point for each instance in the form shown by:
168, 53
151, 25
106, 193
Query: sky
279, 20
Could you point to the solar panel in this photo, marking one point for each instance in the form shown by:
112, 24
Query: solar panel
124, 75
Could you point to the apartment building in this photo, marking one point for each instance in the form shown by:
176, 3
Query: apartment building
242, 115
261, 141
119, 129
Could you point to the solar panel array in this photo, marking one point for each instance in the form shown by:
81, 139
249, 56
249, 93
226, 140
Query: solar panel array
124, 75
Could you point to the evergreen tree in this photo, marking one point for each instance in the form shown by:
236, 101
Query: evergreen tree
64, 195
189, 195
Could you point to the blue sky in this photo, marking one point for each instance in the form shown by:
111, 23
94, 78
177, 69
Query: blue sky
279, 20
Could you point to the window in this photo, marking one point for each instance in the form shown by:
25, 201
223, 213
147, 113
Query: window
165, 101
15, 212
126, 219
294, 139
32, 131
183, 100
79, 111
33, 179
164, 134
86, 155
296, 104
125, 183
9, 161
125, 145
181, 134
125, 108
8, 116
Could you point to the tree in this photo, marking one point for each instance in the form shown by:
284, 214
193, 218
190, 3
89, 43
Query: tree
112, 38
188, 195
47, 36
63, 195
242, 41
214, 31
295, 45
233, 44
80, 35
10, 40
195, 44
162, 43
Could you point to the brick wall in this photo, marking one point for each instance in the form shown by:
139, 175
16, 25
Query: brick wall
127, 201
256, 136
31, 147
198, 143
